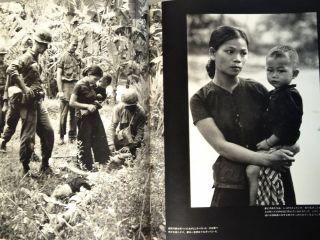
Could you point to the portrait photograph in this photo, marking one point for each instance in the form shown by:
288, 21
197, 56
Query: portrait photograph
266, 39
241, 117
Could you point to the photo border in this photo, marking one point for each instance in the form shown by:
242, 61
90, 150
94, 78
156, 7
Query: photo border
230, 222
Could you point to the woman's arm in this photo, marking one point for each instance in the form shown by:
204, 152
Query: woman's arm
237, 153
74, 103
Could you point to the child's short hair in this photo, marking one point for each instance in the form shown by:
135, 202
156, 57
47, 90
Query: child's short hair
285, 50
107, 79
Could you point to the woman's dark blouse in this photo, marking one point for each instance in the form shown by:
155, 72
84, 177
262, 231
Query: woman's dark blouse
85, 93
239, 116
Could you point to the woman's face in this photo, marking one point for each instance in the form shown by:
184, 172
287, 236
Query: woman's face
231, 56
92, 80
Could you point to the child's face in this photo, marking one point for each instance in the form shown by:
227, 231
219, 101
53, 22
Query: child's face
102, 83
280, 71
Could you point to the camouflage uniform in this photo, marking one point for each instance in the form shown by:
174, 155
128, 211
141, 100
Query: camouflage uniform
32, 112
70, 65
3, 68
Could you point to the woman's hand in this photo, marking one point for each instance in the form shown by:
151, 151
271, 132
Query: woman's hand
295, 148
280, 159
91, 108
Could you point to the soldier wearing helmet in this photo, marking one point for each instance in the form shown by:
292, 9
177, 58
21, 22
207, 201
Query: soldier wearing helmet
68, 74
3, 77
24, 72
127, 124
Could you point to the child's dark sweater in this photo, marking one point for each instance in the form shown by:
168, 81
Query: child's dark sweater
284, 114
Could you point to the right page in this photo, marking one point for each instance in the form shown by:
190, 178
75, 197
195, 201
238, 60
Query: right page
241, 94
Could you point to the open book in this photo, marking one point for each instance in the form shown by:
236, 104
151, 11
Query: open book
146, 195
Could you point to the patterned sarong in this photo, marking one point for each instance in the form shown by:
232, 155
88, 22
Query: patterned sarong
270, 188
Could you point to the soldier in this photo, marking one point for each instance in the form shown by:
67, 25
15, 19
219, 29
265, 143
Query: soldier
68, 73
127, 124
10, 103
3, 68
24, 73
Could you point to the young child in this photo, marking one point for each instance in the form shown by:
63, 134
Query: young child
284, 116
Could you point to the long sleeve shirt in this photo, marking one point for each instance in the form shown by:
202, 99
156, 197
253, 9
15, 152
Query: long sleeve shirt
284, 114
27, 69
121, 118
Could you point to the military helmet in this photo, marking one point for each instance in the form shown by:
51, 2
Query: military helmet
43, 35
130, 97
3, 50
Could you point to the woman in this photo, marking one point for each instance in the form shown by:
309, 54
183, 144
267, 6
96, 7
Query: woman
228, 113
91, 134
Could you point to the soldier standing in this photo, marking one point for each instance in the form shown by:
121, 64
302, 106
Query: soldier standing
68, 73
3, 68
24, 72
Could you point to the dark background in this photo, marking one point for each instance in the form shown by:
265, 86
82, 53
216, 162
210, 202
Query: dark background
233, 223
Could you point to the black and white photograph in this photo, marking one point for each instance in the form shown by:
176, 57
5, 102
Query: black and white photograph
241, 104
227, 52
81, 148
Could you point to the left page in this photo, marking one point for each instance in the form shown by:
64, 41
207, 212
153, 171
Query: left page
76, 160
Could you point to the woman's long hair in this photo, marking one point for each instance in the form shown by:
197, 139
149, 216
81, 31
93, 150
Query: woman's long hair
218, 37
93, 70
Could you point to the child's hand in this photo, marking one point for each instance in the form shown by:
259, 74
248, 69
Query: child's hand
263, 145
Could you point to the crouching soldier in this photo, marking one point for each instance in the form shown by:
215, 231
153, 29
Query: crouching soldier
24, 72
127, 124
